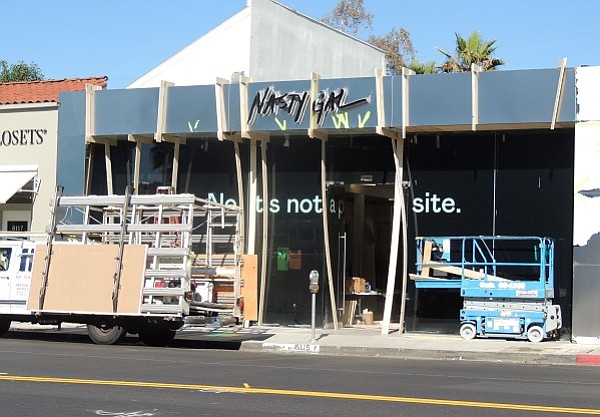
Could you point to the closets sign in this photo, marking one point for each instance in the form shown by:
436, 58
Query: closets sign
23, 137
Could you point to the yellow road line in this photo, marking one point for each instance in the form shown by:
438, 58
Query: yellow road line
299, 393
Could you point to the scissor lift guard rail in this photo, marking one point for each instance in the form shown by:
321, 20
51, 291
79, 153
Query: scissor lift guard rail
507, 283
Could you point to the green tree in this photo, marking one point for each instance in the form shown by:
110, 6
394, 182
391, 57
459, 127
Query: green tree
397, 46
350, 16
472, 50
19, 72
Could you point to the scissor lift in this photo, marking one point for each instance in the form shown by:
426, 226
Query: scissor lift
507, 283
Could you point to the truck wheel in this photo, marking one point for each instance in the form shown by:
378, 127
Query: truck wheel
104, 334
156, 336
468, 331
535, 334
4, 326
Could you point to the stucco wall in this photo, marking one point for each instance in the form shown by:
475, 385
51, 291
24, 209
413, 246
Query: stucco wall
586, 207
40, 151
286, 45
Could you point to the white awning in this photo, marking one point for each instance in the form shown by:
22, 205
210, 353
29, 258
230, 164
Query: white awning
13, 178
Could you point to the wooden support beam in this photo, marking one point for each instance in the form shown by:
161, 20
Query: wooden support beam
101, 140
108, 162
406, 73
559, 92
380, 95
399, 220
220, 104
139, 140
173, 139
259, 136
89, 169
252, 191
475, 70
426, 257
382, 128
146, 140
244, 111
313, 128
136, 167
428, 266
245, 127
265, 233
468, 273
240, 185
90, 100
325, 214
161, 119
175, 170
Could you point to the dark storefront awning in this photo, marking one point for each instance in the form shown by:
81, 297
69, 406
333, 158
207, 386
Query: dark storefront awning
13, 178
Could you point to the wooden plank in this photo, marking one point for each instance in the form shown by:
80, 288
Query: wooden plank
469, 273
250, 288
417, 277
349, 312
426, 257
81, 279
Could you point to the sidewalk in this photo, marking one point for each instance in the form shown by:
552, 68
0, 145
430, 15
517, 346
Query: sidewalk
368, 341
364, 340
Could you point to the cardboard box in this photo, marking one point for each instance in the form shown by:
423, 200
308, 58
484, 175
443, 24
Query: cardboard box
357, 284
367, 317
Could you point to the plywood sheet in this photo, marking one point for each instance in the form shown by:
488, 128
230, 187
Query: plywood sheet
349, 312
250, 289
81, 279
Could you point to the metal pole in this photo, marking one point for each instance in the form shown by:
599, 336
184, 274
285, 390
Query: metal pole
314, 289
313, 318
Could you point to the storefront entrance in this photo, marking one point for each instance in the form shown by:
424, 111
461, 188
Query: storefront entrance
19, 189
361, 239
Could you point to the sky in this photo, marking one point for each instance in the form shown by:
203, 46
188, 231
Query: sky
124, 39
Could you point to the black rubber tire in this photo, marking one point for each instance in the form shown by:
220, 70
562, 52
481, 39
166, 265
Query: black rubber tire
106, 335
4, 327
156, 336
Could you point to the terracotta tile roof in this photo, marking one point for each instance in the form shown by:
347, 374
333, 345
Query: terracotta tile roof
44, 91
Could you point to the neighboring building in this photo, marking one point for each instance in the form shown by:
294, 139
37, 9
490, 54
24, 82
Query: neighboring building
28, 128
267, 41
586, 207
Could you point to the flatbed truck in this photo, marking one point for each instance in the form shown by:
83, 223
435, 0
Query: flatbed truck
138, 264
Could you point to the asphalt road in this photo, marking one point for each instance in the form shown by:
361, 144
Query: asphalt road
69, 376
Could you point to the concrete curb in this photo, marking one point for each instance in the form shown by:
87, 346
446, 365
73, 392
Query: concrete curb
563, 354
415, 354
589, 360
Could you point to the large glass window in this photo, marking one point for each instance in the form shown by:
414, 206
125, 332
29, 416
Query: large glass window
485, 183
5, 258
468, 183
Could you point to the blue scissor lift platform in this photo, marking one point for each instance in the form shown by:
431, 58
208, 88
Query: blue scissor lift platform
507, 283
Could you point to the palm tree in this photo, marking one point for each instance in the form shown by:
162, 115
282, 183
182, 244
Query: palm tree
423, 67
473, 50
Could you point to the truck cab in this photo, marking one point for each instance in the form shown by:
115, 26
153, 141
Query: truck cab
16, 264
